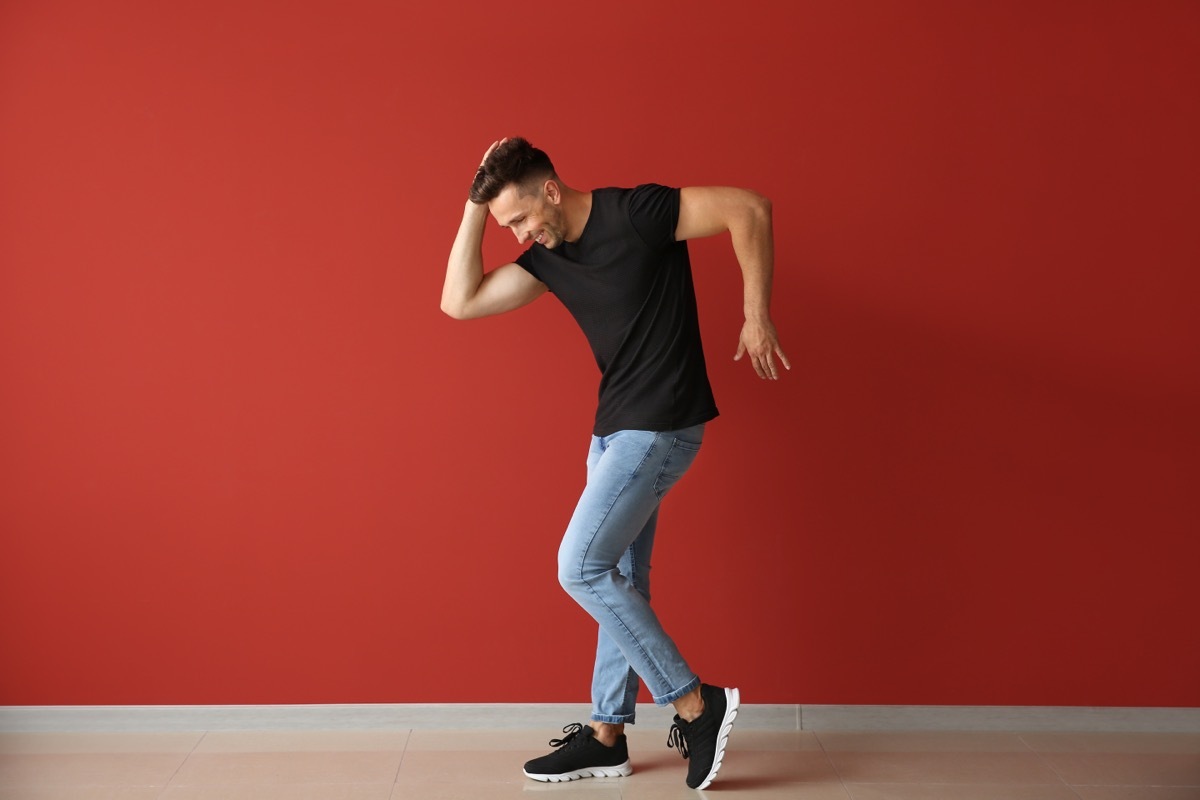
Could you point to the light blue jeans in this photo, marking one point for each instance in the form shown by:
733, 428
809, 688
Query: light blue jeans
604, 564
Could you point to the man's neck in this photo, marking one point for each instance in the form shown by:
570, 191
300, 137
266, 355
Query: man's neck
577, 207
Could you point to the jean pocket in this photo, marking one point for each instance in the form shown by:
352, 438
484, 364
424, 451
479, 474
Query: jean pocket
679, 458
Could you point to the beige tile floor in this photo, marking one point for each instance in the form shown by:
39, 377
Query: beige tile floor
482, 764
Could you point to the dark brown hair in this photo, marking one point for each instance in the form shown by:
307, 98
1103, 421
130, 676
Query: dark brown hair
515, 161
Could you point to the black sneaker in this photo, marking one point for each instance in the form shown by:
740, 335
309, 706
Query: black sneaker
580, 755
703, 740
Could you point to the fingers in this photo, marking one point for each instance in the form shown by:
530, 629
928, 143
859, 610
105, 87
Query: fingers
763, 362
783, 358
765, 367
762, 345
491, 150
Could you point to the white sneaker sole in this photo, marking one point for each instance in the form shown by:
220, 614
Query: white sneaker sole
619, 771
733, 698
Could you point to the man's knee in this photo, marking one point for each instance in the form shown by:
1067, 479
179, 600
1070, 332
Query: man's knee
578, 575
570, 574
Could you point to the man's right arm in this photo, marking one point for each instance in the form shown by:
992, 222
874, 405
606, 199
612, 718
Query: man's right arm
468, 292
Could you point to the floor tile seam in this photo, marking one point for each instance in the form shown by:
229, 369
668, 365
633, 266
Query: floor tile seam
75, 786
894, 782
845, 787
400, 765
1135, 785
1043, 757
990, 784
244, 785
167, 786
832, 765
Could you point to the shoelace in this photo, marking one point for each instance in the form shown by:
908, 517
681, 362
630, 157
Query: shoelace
571, 732
678, 739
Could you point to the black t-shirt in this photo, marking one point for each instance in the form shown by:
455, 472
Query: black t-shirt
628, 284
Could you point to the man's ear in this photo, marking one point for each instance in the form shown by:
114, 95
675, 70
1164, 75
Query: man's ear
552, 190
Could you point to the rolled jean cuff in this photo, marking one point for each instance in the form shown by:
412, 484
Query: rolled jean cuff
619, 719
667, 699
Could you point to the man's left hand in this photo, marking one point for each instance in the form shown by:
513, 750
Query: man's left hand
760, 341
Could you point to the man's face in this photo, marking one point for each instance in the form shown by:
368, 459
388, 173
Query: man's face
533, 217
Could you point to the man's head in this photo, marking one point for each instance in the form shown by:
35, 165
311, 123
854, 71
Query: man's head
522, 191
515, 161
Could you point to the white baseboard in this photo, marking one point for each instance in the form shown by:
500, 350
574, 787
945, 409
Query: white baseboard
21, 719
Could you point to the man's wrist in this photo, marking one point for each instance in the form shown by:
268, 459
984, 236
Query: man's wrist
758, 316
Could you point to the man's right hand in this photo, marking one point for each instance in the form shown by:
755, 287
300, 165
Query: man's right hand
490, 150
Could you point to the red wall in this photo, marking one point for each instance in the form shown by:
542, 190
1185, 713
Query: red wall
245, 459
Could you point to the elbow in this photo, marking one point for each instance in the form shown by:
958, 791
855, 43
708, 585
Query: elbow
752, 216
760, 214
459, 309
453, 310
761, 206
451, 306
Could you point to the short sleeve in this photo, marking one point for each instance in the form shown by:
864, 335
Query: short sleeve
654, 212
525, 261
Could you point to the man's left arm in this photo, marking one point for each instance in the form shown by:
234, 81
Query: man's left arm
709, 210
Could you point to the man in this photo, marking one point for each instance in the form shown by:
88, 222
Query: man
618, 260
